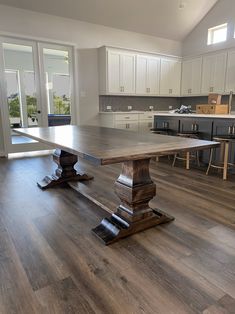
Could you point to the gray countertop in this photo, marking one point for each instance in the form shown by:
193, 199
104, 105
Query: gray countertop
194, 115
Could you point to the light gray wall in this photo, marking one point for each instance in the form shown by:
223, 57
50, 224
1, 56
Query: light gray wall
1, 138
196, 41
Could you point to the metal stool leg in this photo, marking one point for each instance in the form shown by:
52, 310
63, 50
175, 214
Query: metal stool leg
197, 157
210, 160
174, 160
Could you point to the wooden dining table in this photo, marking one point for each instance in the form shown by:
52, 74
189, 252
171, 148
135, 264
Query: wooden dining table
104, 146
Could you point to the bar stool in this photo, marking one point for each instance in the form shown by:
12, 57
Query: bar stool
165, 130
189, 155
226, 142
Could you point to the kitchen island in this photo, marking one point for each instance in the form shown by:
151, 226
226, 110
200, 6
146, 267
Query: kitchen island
209, 126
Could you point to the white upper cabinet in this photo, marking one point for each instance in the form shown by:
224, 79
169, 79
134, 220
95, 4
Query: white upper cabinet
170, 77
147, 75
191, 77
230, 76
116, 71
127, 73
213, 73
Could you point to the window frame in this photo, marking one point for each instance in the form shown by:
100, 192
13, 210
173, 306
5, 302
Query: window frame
211, 33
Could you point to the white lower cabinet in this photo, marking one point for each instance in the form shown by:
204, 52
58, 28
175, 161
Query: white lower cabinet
145, 126
141, 122
129, 126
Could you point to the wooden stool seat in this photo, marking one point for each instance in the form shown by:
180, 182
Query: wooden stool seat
163, 131
226, 142
188, 156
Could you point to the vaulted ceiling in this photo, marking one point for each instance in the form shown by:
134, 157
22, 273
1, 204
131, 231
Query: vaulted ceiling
172, 19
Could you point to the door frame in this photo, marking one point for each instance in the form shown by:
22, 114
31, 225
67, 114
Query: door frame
37, 45
71, 65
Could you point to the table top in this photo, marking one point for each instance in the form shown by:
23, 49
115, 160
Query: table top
105, 146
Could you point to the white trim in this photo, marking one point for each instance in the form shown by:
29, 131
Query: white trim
38, 39
159, 54
38, 62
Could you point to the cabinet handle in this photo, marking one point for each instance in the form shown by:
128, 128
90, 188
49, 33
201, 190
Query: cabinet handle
127, 117
123, 88
147, 90
211, 89
189, 91
170, 91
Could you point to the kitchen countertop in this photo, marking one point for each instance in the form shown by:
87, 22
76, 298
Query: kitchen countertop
169, 114
132, 111
194, 115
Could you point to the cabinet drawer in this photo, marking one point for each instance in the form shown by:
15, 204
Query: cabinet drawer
146, 116
127, 117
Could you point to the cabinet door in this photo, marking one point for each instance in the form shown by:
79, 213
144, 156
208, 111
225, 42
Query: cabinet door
147, 75
113, 64
129, 126
145, 126
153, 76
191, 77
127, 73
141, 75
170, 77
230, 75
213, 73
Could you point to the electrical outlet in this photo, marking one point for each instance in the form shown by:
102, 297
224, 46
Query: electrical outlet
150, 107
170, 107
129, 107
108, 107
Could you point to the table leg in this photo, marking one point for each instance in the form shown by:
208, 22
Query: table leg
65, 171
135, 189
187, 160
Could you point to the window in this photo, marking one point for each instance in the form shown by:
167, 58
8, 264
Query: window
217, 34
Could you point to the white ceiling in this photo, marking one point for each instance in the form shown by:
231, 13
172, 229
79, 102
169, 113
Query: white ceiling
161, 18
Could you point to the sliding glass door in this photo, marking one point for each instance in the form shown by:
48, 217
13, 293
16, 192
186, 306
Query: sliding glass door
37, 85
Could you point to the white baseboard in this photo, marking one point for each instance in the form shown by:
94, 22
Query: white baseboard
2, 153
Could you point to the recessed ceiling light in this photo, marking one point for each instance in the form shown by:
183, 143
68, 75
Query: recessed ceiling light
182, 5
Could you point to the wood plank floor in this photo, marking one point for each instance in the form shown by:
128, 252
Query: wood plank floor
51, 263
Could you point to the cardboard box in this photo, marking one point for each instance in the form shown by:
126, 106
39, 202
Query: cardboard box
214, 99
212, 109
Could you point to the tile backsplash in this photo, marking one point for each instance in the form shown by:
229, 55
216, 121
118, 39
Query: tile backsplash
121, 103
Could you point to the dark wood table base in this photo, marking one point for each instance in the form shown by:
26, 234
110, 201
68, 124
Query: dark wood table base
65, 171
114, 228
135, 189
